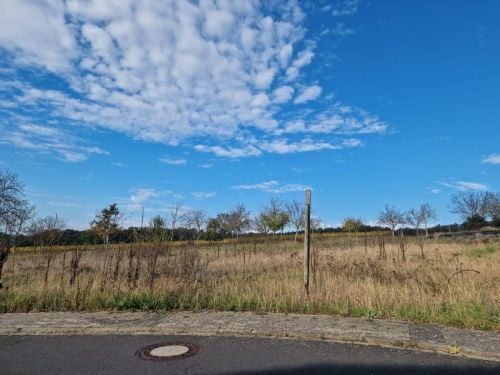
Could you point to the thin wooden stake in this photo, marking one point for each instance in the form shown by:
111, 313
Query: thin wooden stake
307, 239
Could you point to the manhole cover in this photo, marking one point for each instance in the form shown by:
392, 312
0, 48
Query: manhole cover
168, 350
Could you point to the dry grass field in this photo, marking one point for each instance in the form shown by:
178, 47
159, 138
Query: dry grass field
454, 283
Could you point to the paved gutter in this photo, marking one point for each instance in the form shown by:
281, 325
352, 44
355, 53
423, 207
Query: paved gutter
426, 337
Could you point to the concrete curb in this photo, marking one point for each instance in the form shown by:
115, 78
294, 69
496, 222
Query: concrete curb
483, 345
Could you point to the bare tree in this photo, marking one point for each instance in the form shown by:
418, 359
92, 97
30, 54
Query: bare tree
316, 223
196, 219
176, 217
15, 212
391, 217
427, 215
414, 218
296, 214
495, 210
472, 203
422, 215
47, 231
223, 224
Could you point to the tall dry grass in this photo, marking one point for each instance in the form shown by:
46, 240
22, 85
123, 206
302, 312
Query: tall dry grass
430, 281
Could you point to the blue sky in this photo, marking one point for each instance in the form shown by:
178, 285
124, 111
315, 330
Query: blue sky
213, 103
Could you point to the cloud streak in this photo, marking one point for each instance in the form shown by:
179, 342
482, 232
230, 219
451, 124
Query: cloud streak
464, 185
492, 159
48, 140
204, 194
172, 161
272, 186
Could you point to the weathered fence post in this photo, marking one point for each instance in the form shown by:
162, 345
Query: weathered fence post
307, 240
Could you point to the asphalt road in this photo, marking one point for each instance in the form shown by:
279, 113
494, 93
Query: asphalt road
220, 355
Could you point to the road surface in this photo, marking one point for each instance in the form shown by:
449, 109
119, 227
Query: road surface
116, 354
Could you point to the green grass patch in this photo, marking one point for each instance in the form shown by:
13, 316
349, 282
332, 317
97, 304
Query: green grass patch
467, 315
478, 252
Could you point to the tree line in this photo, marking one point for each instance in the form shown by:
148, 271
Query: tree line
476, 209
19, 225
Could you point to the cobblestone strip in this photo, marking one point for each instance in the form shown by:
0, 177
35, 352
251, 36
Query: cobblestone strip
470, 343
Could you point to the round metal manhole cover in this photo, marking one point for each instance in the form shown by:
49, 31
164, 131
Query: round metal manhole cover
168, 350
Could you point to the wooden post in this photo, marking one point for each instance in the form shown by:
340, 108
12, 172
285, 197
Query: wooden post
307, 240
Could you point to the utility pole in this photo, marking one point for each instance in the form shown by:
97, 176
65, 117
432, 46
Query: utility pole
307, 239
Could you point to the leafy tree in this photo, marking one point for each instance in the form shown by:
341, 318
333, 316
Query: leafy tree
15, 212
475, 222
214, 230
235, 221
157, 229
391, 217
106, 222
496, 221
260, 224
89, 236
275, 216
352, 224
296, 215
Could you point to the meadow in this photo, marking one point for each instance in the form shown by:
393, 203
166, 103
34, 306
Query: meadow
452, 282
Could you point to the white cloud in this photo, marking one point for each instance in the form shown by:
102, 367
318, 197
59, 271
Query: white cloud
282, 146
207, 70
206, 165
264, 78
204, 194
48, 140
65, 204
230, 152
341, 30
304, 58
435, 191
38, 30
352, 142
278, 146
300, 170
140, 197
171, 161
272, 186
492, 159
309, 93
338, 119
346, 8
283, 94
118, 164
464, 185
218, 22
